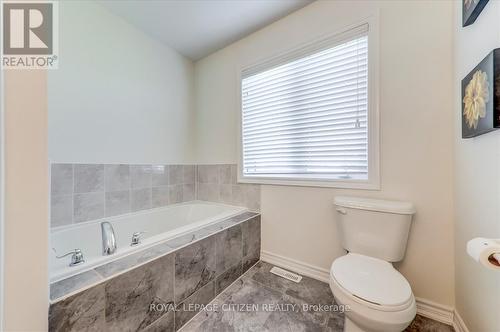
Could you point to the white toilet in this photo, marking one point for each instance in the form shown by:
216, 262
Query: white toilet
374, 233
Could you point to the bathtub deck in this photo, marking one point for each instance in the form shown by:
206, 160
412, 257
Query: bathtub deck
258, 286
157, 295
88, 278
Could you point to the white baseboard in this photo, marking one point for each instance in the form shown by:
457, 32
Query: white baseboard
296, 266
426, 308
435, 311
458, 323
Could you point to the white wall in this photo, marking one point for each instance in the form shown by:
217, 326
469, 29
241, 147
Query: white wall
416, 134
118, 95
477, 178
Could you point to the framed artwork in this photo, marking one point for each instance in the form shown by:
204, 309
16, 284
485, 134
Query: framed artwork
471, 10
481, 97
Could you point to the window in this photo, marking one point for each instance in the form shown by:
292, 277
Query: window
306, 117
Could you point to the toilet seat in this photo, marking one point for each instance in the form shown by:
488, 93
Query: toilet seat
363, 284
372, 282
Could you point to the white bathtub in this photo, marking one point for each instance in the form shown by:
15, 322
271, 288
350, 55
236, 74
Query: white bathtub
160, 224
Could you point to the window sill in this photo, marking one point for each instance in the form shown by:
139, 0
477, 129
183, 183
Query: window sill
353, 184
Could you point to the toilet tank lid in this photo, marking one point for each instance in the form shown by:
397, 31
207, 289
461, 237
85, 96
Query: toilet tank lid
378, 205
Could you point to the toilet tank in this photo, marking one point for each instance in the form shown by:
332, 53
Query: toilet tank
372, 227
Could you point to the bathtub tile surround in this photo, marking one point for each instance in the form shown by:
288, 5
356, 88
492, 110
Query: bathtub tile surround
251, 243
194, 268
141, 176
88, 178
189, 192
62, 179
229, 249
140, 199
160, 196
218, 183
117, 177
205, 262
115, 267
84, 192
84, 311
176, 174
160, 176
74, 283
87, 206
61, 209
79, 281
185, 239
165, 323
129, 295
175, 194
227, 278
204, 296
117, 202
189, 174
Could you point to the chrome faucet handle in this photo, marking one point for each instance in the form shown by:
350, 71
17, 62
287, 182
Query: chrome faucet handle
136, 238
76, 256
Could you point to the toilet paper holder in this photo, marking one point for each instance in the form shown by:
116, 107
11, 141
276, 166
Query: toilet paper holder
485, 251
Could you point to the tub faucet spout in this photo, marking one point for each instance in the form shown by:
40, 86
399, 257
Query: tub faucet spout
108, 239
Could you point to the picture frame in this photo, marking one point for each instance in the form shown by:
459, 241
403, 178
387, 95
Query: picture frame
471, 10
481, 97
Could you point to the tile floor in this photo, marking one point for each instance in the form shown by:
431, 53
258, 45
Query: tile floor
262, 290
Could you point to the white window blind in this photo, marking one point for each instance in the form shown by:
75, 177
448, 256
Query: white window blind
307, 118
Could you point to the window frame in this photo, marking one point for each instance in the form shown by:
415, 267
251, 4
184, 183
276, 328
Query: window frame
330, 40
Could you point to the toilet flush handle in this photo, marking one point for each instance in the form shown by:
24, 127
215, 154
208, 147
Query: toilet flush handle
341, 211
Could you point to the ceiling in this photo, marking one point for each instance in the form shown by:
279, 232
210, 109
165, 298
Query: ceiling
196, 28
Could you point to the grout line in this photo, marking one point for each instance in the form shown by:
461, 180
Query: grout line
129, 188
72, 193
104, 185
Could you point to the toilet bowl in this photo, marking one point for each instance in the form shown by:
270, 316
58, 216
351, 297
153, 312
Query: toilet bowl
375, 295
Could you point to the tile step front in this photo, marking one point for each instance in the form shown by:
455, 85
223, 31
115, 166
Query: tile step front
118, 295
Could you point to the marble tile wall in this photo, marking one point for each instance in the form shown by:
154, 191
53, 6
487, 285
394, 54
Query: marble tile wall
83, 192
192, 274
218, 183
